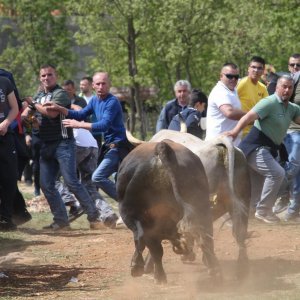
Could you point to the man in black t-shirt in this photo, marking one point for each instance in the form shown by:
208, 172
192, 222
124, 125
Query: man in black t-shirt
8, 161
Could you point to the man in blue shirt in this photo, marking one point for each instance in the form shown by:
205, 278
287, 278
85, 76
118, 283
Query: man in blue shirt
108, 112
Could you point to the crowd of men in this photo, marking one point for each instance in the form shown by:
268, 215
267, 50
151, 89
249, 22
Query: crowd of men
84, 135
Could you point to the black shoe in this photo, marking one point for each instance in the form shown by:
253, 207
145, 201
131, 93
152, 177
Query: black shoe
56, 227
7, 226
281, 205
75, 211
22, 218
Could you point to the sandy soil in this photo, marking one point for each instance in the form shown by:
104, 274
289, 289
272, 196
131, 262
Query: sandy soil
85, 264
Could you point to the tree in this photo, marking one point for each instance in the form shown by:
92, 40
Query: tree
39, 35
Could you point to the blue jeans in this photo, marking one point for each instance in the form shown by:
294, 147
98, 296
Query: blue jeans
272, 174
63, 160
106, 168
292, 144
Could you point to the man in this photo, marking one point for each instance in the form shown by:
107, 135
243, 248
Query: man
86, 88
69, 87
108, 111
182, 89
193, 116
224, 106
292, 144
272, 116
57, 153
8, 160
87, 92
249, 88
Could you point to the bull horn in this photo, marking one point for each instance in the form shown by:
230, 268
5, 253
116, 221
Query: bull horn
132, 140
183, 127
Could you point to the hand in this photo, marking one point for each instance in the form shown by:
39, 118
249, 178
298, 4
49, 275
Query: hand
231, 134
51, 106
28, 99
3, 128
28, 140
71, 123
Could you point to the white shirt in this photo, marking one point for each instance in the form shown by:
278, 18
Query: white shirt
84, 138
217, 123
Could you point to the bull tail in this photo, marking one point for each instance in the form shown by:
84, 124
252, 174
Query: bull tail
240, 207
169, 161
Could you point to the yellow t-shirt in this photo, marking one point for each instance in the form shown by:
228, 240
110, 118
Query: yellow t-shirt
249, 94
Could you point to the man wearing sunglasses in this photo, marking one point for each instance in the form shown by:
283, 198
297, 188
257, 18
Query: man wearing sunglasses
224, 106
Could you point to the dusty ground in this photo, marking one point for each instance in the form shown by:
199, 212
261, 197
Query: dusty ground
84, 264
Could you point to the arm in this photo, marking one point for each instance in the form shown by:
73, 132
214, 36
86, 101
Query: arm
161, 122
13, 112
248, 118
230, 112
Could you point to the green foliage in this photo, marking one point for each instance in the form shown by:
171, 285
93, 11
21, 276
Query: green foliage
38, 36
150, 43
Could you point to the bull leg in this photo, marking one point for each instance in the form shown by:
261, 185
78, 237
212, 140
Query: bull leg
149, 264
190, 256
137, 262
156, 251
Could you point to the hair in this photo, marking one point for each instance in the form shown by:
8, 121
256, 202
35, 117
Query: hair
45, 66
68, 82
88, 78
103, 72
285, 77
183, 83
197, 96
231, 65
257, 59
295, 55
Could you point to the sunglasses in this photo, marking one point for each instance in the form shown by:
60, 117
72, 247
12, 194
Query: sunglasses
294, 65
231, 76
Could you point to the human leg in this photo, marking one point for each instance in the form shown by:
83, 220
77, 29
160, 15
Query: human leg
65, 156
107, 167
49, 169
263, 163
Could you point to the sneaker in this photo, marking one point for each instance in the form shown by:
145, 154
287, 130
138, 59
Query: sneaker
120, 222
22, 218
291, 218
56, 227
281, 205
7, 226
95, 225
267, 218
111, 221
75, 211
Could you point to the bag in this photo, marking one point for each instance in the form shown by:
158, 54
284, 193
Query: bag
48, 149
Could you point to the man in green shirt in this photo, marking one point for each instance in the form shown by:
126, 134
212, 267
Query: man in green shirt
272, 116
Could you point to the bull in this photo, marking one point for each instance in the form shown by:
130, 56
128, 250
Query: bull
163, 192
229, 182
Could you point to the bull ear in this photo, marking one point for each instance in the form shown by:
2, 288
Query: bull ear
183, 127
132, 140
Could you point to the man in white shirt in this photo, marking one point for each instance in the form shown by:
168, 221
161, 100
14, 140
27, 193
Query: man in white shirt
224, 106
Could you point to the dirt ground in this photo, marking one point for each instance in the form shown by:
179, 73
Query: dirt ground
85, 264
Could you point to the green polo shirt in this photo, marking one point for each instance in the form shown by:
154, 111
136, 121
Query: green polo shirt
275, 117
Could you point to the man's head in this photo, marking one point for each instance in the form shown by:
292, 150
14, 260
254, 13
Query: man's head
229, 75
198, 100
182, 89
294, 63
256, 68
101, 84
69, 87
48, 77
86, 85
285, 87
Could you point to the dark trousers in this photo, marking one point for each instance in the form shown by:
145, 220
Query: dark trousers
8, 176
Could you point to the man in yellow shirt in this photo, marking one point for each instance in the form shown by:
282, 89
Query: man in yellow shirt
250, 89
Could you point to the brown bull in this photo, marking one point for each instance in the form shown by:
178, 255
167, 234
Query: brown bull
228, 177
163, 192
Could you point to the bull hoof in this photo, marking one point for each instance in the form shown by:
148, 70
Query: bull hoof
137, 271
188, 257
